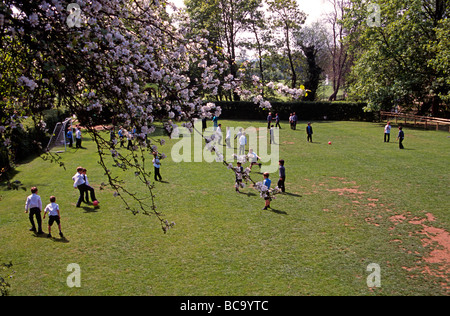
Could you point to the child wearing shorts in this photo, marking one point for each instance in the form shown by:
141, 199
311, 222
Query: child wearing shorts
54, 216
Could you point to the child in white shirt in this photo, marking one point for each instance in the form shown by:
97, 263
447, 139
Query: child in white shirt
54, 216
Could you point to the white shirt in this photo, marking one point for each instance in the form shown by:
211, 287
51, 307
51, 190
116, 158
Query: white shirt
243, 140
33, 200
52, 209
387, 129
253, 157
78, 180
78, 134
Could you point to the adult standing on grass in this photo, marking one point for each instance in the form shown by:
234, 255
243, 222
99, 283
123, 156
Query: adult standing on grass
33, 205
387, 132
400, 137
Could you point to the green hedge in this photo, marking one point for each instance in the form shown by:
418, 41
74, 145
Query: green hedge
306, 111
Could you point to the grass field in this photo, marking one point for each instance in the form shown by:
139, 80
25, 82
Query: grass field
350, 204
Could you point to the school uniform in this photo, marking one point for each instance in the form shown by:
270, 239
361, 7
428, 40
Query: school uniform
157, 165
80, 184
33, 206
401, 137
387, 133
78, 138
309, 132
282, 174
52, 209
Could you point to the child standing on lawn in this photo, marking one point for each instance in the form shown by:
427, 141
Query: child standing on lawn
157, 165
54, 216
34, 206
282, 174
267, 182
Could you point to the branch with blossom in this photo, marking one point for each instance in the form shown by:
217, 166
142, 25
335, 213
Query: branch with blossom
126, 63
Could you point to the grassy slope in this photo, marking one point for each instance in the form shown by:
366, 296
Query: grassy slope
318, 240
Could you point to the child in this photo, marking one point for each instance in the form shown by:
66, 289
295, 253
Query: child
157, 165
282, 174
78, 137
272, 136
54, 216
228, 137
253, 158
70, 137
400, 137
239, 170
122, 136
88, 188
309, 132
34, 206
277, 121
242, 143
267, 182
387, 132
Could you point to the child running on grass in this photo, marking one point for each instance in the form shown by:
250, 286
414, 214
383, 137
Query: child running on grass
54, 216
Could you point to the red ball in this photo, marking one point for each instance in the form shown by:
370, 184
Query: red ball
95, 203
329, 143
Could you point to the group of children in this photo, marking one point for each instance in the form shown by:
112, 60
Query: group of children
239, 171
400, 136
33, 206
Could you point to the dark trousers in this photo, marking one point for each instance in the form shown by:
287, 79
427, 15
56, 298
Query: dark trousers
278, 125
78, 143
35, 211
400, 143
83, 188
157, 174
387, 137
281, 184
309, 138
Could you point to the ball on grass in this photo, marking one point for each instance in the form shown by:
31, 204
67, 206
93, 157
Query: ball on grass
329, 143
95, 203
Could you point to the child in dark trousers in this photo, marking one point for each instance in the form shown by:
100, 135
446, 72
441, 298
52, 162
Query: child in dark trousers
309, 132
282, 174
400, 137
34, 207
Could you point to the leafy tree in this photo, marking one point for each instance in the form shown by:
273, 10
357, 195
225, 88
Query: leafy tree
394, 60
288, 18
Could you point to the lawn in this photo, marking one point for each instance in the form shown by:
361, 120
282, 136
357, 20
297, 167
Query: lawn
355, 202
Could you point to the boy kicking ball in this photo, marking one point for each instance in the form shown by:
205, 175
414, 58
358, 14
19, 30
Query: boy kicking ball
54, 216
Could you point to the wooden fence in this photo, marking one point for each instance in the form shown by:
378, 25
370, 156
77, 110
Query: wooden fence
417, 120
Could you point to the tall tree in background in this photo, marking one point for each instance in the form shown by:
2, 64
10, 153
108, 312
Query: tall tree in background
396, 59
338, 48
225, 20
288, 18
312, 41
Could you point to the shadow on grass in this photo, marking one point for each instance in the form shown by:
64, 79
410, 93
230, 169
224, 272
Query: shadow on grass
90, 209
44, 236
278, 211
